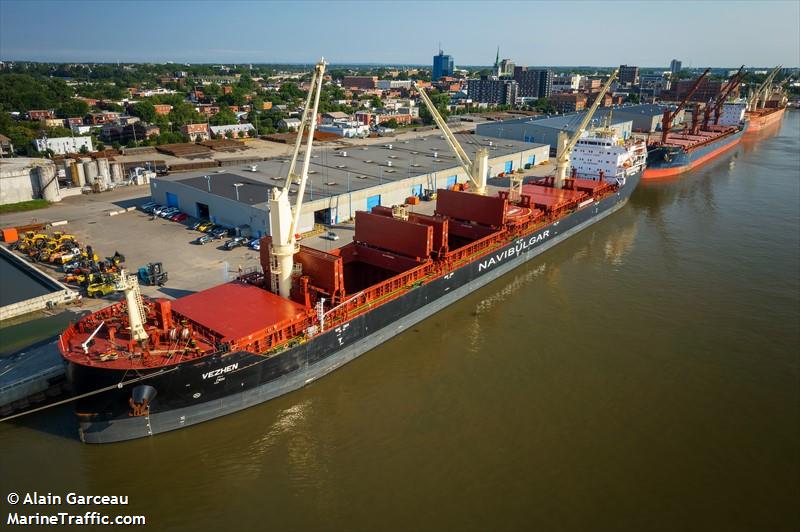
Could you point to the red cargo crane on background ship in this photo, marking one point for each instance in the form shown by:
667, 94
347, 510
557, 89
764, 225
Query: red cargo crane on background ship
666, 123
716, 107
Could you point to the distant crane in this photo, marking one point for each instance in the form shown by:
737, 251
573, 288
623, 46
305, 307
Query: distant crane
719, 101
756, 100
669, 116
566, 146
283, 223
478, 168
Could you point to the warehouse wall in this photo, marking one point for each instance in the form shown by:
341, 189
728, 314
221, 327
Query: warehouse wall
224, 211
342, 207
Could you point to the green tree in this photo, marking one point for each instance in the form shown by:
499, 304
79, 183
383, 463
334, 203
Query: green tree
441, 102
144, 110
72, 108
229, 134
224, 117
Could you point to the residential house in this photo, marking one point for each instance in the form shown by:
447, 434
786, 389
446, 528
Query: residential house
289, 123
195, 131
63, 145
162, 108
40, 114
6, 148
238, 130
123, 134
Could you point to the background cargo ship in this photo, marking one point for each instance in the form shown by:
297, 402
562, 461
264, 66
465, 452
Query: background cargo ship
766, 105
719, 129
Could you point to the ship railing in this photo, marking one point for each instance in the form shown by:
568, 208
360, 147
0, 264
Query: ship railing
377, 294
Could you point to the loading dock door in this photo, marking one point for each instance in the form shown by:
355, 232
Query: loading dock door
451, 180
531, 160
172, 199
202, 211
416, 190
509, 167
373, 201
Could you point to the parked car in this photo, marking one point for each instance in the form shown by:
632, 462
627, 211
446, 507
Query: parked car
181, 216
169, 212
206, 227
202, 239
158, 208
255, 244
235, 242
200, 225
149, 206
218, 233
330, 235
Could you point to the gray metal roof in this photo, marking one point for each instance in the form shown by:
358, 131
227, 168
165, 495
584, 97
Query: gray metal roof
619, 115
251, 191
332, 174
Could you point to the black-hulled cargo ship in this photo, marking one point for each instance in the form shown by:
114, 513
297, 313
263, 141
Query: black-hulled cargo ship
237, 345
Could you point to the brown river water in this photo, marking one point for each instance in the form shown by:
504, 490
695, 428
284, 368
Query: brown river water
642, 376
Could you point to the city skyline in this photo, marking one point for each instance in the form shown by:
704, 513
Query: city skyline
530, 33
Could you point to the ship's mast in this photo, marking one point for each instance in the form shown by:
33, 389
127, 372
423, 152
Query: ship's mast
666, 122
129, 284
716, 106
476, 169
283, 223
756, 101
564, 148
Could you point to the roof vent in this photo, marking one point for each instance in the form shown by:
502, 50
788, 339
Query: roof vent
388, 163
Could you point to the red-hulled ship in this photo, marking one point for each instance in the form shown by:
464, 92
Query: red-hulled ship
141, 367
236, 345
767, 105
720, 129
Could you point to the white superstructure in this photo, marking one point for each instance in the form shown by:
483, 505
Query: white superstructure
732, 113
602, 150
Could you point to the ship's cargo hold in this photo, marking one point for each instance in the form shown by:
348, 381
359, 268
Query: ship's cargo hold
440, 230
393, 234
382, 211
486, 210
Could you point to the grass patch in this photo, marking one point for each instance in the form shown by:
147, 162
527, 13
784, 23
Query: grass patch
24, 206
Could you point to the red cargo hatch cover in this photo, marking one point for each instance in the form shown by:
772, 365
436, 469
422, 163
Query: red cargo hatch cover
236, 310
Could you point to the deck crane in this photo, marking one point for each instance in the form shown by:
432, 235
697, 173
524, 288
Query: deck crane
565, 147
666, 122
756, 101
282, 221
716, 106
476, 169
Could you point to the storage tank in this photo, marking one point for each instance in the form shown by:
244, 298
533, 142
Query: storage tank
48, 184
90, 171
117, 172
103, 172
78, 177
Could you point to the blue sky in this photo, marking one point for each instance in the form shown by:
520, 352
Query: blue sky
700, 33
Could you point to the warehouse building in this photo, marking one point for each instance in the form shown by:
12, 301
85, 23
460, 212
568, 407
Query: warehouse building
625, 120
342, 180
545, 130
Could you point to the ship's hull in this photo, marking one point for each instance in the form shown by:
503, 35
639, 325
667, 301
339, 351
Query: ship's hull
669, 161
759, 121
221, 384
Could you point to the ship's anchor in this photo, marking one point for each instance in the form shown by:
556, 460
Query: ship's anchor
139, 409
140, 399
